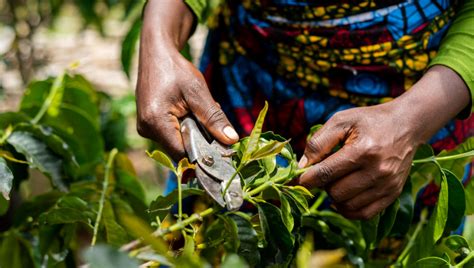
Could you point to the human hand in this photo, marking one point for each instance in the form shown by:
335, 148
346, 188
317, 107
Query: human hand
378, 143
169, 87
370, 169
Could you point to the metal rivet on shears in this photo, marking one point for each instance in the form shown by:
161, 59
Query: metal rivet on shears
208, 160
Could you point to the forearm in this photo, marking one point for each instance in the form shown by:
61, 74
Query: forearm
166, 23
436, 98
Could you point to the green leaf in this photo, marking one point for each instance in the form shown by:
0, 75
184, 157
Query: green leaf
81, 132
313, 130
55, 143
387, 220
440, 215
432, 262
270, 149
469, 193
162, 159
104, 256
232, 261
298, 197
255, 135
162, 204
140, 229
456, 242
6, 179
64, 216
369, 229
4, 205
457, 166
279, 240
31, 209
405, 212
39, 156
12, 118
183, 166
248, 240
456, 202
15, 251
286, 215
115, 234
129, 45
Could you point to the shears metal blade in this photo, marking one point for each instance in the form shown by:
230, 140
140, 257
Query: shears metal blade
214, 171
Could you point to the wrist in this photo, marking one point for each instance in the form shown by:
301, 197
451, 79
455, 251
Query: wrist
167, 23
439, 96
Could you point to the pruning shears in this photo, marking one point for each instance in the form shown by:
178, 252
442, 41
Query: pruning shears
214, 170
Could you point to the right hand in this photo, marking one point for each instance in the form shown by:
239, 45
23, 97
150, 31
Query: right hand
169, 87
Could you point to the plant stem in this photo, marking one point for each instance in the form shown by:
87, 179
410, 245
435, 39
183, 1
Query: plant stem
465, 260
180, 201
411, 242
180, 225
444, 158
262, 187
232, 178
55, 88
105, 185
318, 202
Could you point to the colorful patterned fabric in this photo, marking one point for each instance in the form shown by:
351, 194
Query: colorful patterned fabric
310, 59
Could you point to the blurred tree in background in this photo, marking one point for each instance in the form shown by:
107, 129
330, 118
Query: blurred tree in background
22, 19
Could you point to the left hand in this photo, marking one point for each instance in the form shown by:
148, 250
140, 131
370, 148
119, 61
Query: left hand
369, 171
378, 143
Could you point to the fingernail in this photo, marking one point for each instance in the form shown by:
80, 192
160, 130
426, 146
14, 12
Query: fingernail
230, 133
303, 162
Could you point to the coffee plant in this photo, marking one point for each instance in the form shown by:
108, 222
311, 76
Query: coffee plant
95, 212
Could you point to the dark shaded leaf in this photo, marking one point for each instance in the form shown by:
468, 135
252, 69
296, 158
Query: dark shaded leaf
39, 156
162, 204
280, 242
248, 240
456, 202
405, 212
387, 220
129, 45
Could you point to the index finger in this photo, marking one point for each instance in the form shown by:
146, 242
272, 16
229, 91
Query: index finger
336, 166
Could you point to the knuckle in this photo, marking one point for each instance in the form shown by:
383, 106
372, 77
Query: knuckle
366, 215
214, 115
314, 145
324, 173
336, 195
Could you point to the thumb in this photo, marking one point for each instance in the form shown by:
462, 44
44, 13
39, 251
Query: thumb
211, 116
320, 145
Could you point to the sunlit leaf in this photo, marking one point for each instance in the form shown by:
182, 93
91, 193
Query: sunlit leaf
233, 260
183, 166
270, 149
432, 262
6, 179
255, 135
162, 159
286, 215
